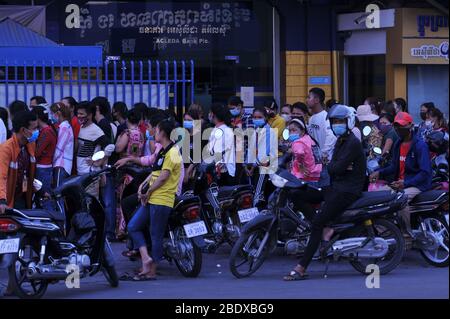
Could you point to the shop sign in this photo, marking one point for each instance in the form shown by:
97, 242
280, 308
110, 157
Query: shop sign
431, 51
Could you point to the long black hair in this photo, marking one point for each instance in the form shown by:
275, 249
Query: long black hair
42, 114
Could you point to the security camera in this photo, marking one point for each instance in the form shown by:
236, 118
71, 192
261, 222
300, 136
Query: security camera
362, 18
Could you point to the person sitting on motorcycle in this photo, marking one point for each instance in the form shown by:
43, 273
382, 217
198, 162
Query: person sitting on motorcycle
306, 162
367, 119
410, 165
347, 170
157, 196
18, 166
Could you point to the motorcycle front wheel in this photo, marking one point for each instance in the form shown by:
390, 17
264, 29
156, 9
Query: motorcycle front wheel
243, 260
23, 287
388, 231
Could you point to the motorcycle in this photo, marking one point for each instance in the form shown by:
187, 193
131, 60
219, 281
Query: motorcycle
363, 234
429, 222
224, 208
39, 247
183, 229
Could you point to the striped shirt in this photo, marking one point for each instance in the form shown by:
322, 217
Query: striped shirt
64, 147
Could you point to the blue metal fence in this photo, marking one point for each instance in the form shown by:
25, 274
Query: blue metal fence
155, 83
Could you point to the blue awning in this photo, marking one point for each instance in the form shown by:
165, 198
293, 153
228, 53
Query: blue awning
21, 46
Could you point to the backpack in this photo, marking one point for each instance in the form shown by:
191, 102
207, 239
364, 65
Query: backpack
136, 142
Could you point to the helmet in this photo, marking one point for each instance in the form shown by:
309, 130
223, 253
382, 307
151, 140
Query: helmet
437, 141
340, 111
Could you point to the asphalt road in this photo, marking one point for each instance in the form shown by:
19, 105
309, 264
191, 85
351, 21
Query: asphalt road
414, 278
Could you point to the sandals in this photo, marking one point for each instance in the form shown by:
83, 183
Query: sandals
136, 277
294, 275
131, 253
143, 277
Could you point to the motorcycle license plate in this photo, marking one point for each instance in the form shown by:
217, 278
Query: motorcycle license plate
246, 215
195, 229
8, 246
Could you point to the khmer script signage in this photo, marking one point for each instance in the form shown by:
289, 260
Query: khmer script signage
137, 28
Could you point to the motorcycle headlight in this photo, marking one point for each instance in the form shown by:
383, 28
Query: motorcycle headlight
278, 181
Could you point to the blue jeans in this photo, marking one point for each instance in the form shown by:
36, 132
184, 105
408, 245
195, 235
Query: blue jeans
45, 175
109, 201
153, 218
324, 177
60, 175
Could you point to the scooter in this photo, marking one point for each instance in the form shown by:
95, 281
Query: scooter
39, 247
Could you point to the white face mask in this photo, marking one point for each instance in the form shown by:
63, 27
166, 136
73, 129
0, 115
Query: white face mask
286, 117
428, 123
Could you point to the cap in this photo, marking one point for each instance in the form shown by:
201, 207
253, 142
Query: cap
403, 119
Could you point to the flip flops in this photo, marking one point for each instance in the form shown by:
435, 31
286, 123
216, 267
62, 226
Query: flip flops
295, 276
136, 277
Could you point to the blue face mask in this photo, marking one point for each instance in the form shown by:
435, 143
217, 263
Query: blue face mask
235, 112
293, 137
339, 129
52, 118
188, 125
259, 122
33, 137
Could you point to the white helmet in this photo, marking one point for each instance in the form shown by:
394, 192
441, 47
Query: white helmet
340, 111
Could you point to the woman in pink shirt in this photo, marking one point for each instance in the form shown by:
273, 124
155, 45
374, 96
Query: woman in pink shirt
306, 161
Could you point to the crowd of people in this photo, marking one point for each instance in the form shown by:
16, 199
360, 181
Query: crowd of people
51, 142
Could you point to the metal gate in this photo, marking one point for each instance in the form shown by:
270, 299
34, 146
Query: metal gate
161, 84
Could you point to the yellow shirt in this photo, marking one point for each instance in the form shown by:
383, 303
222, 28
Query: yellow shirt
277, 122
165, 195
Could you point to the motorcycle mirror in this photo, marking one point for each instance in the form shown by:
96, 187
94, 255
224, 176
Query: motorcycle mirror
98, 156
367, 130
37, 184
377, 150
218, 133
285, 134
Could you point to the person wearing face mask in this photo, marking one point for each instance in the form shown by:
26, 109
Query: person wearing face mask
239, 119
425, 126
45, 149
286, 112
390, 137
347, 170
367, 119
307, 161
221, 145
18, 166
260, 141
410, 165
275, 121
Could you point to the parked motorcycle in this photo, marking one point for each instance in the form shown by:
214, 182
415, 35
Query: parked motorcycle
429, 222
224, 208
183, 229
363, 234
39, 247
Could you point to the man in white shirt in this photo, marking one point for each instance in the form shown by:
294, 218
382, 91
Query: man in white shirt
319, 126
221, 142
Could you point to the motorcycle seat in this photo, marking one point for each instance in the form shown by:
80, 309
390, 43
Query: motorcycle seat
428, 197
373, 198
185, 199
230, 191
42, 213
